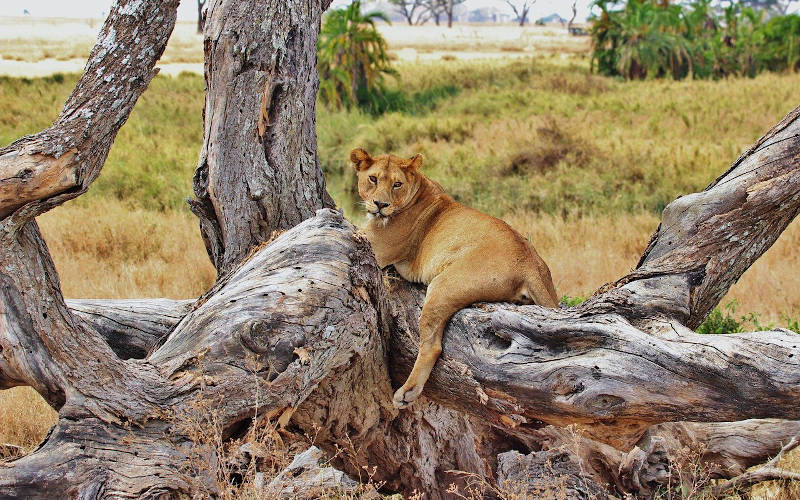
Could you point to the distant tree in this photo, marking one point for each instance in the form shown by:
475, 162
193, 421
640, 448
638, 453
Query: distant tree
415, 11
437, 8
521, 9
201, 15
778, 7
352, 57
574, 14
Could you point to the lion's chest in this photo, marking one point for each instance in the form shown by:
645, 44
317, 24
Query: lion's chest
411, 273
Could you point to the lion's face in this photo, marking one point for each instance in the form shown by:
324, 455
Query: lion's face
386, 183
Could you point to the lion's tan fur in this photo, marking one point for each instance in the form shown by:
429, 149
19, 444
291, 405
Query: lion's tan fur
463, 255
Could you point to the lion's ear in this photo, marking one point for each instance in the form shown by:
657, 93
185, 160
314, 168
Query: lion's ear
361, 159
415, 162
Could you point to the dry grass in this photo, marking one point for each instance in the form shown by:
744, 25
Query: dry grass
106, 250
780, 490
585, 253
25, 418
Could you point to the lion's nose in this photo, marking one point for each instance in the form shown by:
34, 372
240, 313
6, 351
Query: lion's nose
381, 205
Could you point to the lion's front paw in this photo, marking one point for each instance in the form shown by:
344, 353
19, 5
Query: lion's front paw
406, 395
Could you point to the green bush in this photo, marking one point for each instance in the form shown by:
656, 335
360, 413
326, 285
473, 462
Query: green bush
780, 44
572, 301
724, 320
656, 39
352, 59
721, 321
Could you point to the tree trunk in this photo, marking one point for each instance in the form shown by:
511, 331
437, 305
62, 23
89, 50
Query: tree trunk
450, 7
258, 169
201, 16
572, 19
307, 332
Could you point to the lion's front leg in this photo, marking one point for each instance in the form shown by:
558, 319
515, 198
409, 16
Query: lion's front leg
441, 302
431, 326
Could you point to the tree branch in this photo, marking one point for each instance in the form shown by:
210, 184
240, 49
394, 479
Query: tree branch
520, 366
41, 171
707, 240
767, 472
132, 327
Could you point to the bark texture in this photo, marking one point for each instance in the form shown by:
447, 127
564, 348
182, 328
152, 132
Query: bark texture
134, 327
307, 332
258, 169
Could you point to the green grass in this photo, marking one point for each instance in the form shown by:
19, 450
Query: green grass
588, 144
725, 320
151, 163
538, 135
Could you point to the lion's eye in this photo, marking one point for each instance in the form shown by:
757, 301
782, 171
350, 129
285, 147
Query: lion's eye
373, 179
397, 184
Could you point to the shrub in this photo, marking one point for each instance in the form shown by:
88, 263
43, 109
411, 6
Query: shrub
655, 39
721, 321
352, 59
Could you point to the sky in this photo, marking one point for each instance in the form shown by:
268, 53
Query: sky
188, 8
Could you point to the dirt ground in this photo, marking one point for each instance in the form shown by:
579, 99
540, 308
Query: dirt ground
34, 47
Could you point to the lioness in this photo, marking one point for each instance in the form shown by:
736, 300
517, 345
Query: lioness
464, 256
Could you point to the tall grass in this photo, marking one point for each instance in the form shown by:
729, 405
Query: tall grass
154, 154
104, 249
588, 145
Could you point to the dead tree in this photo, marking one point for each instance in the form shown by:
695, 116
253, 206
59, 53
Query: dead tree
447, 7
308, 332
201, 15
521, 11
415, 12
574, 15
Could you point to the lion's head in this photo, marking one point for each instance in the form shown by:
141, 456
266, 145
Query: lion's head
386, 183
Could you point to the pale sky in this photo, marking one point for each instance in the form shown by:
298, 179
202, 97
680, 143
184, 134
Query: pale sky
187, 11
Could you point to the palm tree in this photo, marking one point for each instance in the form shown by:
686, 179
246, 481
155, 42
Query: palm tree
352, 57
641, 40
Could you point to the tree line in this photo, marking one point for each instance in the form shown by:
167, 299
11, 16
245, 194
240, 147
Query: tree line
700, 39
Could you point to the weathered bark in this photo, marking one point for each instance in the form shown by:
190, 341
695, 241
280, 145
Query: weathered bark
258, 169
553, 473
256, 344
305, 331
522, 366
726, 449
307, 477
132, 328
